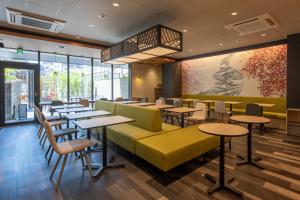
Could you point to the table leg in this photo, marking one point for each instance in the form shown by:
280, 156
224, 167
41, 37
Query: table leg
230, 109
250, 160
182, 120
104, 157
208, 109
221, 183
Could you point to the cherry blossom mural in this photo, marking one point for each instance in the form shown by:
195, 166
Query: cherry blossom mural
260, 72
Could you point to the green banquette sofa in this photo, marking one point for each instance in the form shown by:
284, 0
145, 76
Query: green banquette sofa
163, 145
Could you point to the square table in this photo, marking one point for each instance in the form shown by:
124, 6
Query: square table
265, 105
188, 101
89, 124
208, 102
182, 111
143, 104
231, 103
161, 106
87, 115
69, 110
126, 102
66, 106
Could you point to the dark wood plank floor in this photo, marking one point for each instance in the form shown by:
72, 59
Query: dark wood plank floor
24, 173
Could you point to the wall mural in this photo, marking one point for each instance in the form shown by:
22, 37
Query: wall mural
257, 73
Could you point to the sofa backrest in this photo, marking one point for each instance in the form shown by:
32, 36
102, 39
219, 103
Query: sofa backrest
146, 118
279, 108
106, 105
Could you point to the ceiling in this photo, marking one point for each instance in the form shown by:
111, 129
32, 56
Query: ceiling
204, 20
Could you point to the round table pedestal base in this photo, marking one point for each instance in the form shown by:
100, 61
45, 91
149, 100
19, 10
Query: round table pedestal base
218, 185
252, 162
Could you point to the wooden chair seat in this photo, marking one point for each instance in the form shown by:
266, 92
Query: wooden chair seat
62, 132
74, 145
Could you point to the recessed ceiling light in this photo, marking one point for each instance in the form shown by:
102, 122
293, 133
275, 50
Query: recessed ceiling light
263, 35
184, 30
101, 16
91, 25
78, 37
116, 4
234, 13
221, 44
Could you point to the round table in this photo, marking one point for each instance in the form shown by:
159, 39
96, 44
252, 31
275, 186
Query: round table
222, 130
250, 120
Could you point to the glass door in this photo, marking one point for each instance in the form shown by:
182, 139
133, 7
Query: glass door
19, 92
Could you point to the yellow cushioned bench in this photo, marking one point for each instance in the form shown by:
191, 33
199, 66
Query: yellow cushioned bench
147, 123
166, 151
278, 111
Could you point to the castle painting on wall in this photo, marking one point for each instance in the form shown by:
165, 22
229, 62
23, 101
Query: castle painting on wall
256, 73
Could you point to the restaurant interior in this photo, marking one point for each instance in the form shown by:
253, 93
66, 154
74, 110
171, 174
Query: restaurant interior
148, 99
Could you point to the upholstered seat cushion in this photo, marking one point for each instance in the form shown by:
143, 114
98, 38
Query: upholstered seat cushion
74, 145
126, 135
171, 149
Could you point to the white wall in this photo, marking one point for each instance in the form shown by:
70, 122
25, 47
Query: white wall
144, 79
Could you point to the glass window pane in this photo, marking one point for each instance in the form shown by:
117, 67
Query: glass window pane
54, 77
80, 78
102, 80
23, 56
121, 81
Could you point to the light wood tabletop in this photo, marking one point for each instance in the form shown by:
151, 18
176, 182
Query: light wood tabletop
188, 100
67, 106
250, 119
87, 114
207, 101
182, 110
222, 129
161, 107
101, 122
68, 110
127, 102
142, 104
267, 105
233, 102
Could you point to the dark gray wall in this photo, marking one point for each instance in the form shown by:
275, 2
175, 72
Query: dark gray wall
293, 71
171, 80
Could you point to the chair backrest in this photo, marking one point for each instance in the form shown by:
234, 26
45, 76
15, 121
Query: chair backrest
103, 99
253, 109
144, 99
119, 99
51, 137
201, 113
57, 103
84, 102
39, 116
195, 102
177, 103
159, 102
220, 107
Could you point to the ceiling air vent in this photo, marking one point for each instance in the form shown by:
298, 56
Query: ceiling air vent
30, 20
253, 25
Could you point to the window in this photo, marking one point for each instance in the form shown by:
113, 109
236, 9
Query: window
121, 81
102, 80
54, 77
23, 56
80, 78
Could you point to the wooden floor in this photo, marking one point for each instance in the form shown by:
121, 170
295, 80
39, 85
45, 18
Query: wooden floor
24, 173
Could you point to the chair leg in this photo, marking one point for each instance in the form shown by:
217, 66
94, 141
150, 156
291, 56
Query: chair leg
41, 140
45, 138
178, 120
40, 131
55, 166
172, 122
48, 151
88, 162
81, 158
61, 171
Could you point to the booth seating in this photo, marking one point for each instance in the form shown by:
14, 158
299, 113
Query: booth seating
277, 112
163, 145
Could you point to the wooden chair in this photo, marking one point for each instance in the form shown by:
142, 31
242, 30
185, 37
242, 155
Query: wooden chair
84, 102
199, 116
64, 149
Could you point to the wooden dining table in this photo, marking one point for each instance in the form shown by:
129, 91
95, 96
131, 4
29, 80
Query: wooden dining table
182, 111
222, 130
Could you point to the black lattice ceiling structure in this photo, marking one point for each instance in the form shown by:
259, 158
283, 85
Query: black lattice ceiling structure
153, 42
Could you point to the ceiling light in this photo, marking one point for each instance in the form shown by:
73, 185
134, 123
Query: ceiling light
91, 25
221, 44
184, 30
101, 16
263, 35
234, 13
60, 47
78, 37
116, 4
